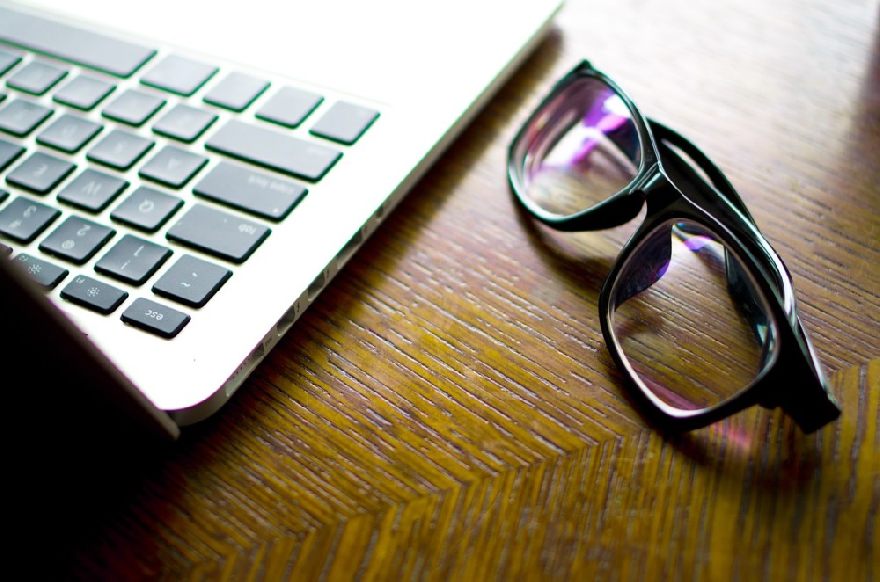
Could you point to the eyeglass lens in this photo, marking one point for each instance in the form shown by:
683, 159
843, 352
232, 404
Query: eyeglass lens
580, 150
689, 320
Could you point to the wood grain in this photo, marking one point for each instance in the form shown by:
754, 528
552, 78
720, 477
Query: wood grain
448, 409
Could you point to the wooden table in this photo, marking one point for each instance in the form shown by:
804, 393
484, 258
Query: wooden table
448, 409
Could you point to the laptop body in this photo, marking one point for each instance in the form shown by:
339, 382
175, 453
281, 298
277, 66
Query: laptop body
423, 69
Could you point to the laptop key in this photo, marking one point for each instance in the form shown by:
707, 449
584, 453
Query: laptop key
344, 122
69, 133
178, 75
40, 173
43, 273
133, 107
191, 281
20, 117
9, 152
79, 46
77, 239
184, 123
259, 193
173, 166
93, 294
84, 92
219, 233
132, 260
36, 77
23, 219
7, 61
271, 149
146, 209
289, 106
155, 318
92, 190
120, 149
236, 91
3, 195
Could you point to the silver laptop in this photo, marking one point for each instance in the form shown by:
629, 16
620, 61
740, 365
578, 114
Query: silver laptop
181, 179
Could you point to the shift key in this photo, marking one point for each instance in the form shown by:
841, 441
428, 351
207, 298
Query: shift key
218, 233
274, 150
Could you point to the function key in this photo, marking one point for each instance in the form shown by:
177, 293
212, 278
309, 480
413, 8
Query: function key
120, 149
191, 281
250, 190
218, 233
40, 173
69, 133
184, 123
83, 92
179, 75
36, 77
344, 122
77, 239
146, 209
133, 107
8, 60
43, 273
132, 260
22, 219
289, 106
173, 166
92, 190
155, 318
93, 294
9, 152
20, 117
236, 91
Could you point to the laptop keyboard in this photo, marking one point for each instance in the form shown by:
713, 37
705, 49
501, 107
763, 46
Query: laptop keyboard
142, 179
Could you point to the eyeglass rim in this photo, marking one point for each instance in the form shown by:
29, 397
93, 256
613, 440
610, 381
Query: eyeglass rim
615, 210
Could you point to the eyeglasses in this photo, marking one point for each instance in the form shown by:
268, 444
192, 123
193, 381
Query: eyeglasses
699, 310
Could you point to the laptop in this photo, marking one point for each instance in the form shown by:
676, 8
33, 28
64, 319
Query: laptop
179, 180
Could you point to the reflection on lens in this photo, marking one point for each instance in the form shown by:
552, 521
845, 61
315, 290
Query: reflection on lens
689, 319
581, 149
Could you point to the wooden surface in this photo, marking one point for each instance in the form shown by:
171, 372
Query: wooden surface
448, 409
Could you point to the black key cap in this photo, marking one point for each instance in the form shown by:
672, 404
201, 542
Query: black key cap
92, 190
8, 60
20, 117
155, 318
344, 122
93, 294
77, 239
146, 209
132, 260
68, 133
22, 219
45, 274
83, 92
36, 77
120, 149
191, 281
250, 190
184, 123
178, 75
173, 166
79, 46
9, 152
40, 173
289, 106
273, 150
3, 195
218, 233
133, 107
236, 91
